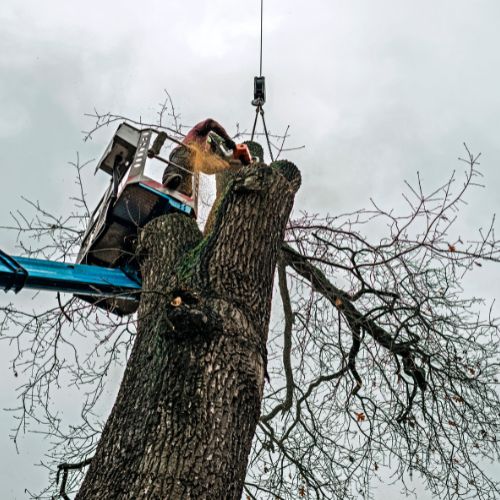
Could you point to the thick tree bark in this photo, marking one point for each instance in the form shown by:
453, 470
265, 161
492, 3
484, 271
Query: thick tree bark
186, 412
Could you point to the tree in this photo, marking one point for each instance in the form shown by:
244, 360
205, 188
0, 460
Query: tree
380, 362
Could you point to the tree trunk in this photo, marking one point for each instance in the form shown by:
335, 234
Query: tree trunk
189, 402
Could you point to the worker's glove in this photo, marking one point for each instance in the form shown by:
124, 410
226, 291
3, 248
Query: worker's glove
229, 144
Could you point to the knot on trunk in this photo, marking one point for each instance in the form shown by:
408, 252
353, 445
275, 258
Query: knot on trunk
190, 321
189, 315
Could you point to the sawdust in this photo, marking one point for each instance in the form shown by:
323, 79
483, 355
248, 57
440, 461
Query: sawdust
206, 162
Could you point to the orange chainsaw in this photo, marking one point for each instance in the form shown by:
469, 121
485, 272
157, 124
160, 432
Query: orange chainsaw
242, 153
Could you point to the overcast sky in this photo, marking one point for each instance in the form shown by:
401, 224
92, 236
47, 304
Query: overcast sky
375, 90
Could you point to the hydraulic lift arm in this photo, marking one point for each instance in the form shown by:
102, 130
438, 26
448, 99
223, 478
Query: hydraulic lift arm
17, 273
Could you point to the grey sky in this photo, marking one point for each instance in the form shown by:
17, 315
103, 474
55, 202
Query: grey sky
376, 90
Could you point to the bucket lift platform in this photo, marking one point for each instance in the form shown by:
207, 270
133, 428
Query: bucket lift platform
132, 199
106, 272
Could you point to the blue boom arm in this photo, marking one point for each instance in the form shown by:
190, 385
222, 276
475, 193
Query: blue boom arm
22, 272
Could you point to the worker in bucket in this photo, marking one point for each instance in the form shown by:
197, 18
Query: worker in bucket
178, 175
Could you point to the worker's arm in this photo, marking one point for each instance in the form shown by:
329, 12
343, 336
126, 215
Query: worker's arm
210, 125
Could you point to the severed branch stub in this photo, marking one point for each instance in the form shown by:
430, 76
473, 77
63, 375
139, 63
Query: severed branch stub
65, 468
